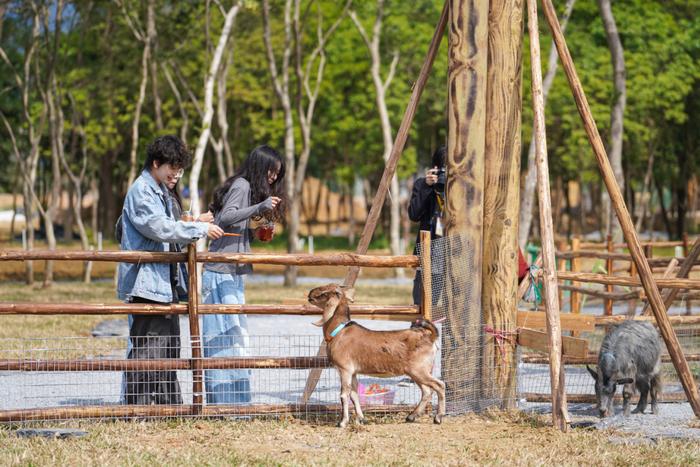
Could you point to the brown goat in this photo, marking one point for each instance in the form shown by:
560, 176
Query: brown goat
353, 349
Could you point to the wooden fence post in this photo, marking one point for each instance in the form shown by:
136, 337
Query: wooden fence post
575, 297
195, 337
609, 265
688, 303
672, 344
426, 273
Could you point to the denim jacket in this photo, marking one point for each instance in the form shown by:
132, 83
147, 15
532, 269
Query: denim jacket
148, 225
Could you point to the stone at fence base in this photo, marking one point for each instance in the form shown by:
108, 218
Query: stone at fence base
111, 328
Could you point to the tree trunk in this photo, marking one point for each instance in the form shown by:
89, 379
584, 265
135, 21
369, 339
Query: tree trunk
616, 115
528, 190
209, 108
56, 124
381, 85
643, 203
152, 37
145, 57
281, 87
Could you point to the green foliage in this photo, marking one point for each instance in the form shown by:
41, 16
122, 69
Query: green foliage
98, 68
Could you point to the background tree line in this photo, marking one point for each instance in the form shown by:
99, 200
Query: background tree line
85, 85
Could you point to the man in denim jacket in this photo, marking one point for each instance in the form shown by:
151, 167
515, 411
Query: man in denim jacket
148, 224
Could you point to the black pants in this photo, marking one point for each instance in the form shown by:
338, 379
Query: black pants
153, 336
418, 288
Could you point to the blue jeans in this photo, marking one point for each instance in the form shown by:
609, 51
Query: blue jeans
225, 335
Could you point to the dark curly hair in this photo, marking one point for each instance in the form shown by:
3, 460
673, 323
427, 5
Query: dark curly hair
255, 168
168, 149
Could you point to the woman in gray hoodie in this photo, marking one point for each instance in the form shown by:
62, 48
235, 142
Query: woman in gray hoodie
255, 191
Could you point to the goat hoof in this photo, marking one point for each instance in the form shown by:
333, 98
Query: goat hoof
437, 420
361, 421
342, 424
655, 410
411, 418
638, 410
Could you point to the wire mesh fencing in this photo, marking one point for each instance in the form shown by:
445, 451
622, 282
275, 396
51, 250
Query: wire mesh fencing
534, 380
477, 361
104, 377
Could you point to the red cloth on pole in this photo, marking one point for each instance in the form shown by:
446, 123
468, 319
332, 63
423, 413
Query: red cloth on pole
523, 267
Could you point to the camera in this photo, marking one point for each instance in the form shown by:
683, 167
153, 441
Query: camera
441, 179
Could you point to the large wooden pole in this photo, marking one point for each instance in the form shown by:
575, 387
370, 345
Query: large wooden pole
389, 171
549, 279
502, 198
652, 291
466, 113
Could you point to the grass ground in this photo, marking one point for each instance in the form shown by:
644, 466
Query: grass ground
492, 439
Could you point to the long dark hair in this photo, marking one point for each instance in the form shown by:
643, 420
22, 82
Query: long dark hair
255, 168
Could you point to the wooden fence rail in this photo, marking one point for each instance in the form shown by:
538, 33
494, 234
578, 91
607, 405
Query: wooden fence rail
335, 259
204, 309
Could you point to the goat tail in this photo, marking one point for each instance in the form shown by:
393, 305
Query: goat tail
428, 325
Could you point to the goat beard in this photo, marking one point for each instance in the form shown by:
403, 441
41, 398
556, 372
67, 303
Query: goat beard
328, 311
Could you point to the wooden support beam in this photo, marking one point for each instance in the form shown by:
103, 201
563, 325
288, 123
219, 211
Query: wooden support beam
560, 417
574, 347
623, 216
569, 321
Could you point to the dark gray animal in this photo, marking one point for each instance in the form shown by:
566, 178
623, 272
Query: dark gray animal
631, 355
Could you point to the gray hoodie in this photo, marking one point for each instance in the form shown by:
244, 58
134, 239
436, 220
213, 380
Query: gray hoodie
234, 217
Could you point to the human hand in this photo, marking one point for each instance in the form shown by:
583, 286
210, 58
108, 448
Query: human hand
206, 217
431, 176
275, 201
214, 232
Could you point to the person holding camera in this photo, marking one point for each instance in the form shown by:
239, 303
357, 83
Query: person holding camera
427, 206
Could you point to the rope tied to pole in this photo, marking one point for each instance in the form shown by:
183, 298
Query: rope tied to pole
501, 336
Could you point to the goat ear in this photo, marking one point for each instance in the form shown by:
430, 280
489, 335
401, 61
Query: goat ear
318, 323
593, 372
349, 293
625, 381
